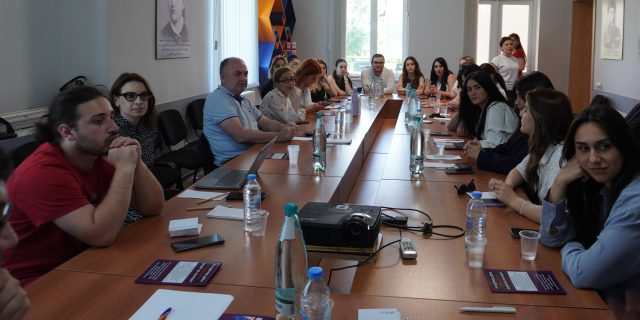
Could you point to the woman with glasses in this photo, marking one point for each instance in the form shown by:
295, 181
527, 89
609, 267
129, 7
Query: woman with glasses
340, 77
593, 209
134, 106
545, 119
277, 63
14, 303
411, 75
277, 103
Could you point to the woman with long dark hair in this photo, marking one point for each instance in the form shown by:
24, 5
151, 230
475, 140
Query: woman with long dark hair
593, 209
441, 80
546, 120
465, 121
340, 77
411, 75
508, 155
518, 53
498, 120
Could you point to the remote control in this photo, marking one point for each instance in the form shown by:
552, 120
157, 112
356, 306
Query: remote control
407, 249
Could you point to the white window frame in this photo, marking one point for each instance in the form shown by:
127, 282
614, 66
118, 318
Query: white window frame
248, 50
496, 19
373, 39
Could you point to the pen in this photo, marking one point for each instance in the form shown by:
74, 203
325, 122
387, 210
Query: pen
490, 309
165, 314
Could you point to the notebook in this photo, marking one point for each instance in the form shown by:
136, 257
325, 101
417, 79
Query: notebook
234, 179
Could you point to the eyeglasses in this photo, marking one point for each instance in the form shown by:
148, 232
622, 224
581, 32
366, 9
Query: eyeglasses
464, 188
132, 96
5, 212
292, 80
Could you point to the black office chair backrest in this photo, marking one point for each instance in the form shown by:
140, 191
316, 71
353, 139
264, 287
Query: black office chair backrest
195, 113
208, 158
172, 127
22, 152
8, 132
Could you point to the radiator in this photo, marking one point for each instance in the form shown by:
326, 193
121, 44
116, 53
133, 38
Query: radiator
24, 121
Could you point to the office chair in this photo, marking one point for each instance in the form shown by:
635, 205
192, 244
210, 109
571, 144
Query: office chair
23, 151
208, 158
173, 130
195, 113
9, 132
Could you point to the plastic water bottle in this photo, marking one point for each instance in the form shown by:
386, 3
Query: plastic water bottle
372, 90
476, 215
319, 145
291, 263
355, 103
416, 160
252, 201
315, 302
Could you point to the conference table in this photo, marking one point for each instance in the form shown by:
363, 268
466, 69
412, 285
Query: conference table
374, 170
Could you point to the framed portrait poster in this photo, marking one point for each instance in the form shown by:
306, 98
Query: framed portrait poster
612, 29
172, 29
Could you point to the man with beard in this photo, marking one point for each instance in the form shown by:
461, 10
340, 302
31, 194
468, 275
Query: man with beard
74, 191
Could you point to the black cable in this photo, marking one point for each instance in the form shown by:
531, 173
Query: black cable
426, 229
360, 263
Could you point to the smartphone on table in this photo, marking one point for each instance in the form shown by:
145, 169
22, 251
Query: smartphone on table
196, 243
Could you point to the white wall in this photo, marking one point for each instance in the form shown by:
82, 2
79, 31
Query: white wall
554, 41
131, 43
620, 78
45, 44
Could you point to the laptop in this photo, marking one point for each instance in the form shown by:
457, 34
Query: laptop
234, 179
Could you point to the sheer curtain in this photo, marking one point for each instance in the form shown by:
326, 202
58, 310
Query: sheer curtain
239, 34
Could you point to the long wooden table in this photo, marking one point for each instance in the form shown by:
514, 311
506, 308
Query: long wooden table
373, 169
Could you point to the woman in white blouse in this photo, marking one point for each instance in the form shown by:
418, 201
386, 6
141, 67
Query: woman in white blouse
277, 103
508, 67
546, 119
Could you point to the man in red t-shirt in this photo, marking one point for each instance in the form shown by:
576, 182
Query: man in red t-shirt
75, 189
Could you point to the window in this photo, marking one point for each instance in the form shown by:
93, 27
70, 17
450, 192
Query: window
498, 18
235, 34
374, 26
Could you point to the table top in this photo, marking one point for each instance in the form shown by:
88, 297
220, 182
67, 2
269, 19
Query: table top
372, 170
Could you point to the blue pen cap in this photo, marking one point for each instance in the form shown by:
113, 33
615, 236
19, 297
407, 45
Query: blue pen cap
290, 209
476, 195
251, 176
315, 273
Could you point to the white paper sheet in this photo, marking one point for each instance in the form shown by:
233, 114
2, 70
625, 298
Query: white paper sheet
194, 194
184, 305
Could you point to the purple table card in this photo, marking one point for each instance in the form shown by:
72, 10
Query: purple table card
521, 281
228, 316
180, 273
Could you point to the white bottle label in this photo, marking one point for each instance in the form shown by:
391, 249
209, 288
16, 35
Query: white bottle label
288, 229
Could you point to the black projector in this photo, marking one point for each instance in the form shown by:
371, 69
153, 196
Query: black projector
339, 225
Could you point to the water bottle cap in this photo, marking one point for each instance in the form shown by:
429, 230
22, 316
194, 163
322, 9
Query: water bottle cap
476, 195
315, 273
290, 209
417, 117
251, 176
320, 115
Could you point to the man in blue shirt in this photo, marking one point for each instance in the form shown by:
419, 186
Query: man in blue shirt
231, 123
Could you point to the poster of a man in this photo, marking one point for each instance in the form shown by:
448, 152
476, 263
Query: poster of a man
172, 29
612, 29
